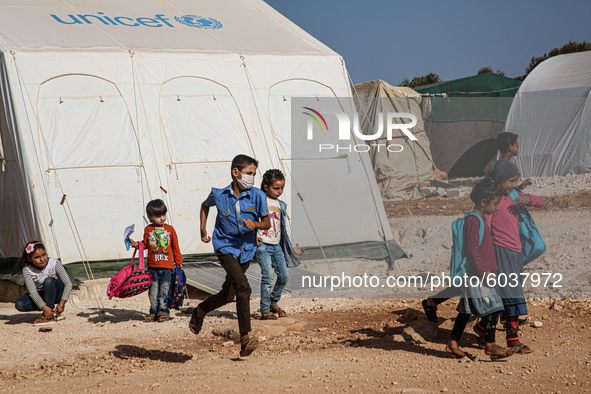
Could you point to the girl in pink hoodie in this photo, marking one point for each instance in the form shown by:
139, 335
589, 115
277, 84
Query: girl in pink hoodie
505, 233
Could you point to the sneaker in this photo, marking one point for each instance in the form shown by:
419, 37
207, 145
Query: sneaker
150, 318
43, 321
248, 346
59, 317
163, 317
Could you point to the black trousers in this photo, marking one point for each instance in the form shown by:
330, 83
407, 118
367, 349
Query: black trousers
236, 284
489, 322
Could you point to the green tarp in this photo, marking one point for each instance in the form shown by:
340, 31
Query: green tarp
464, 122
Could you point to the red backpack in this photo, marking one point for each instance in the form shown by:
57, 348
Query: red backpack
131, 280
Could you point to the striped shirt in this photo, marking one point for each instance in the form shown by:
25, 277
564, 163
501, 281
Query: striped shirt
35, 277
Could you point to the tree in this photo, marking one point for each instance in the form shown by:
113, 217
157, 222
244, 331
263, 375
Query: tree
571, 47
421, 81
489, 70
405, 82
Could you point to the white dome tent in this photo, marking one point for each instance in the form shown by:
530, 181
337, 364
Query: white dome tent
551, 114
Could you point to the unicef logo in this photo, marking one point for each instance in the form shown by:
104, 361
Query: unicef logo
199, 21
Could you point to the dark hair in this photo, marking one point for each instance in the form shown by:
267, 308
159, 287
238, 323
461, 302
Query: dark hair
505, 140
156, 208
241, 161
486, 189
24, 260
270, 176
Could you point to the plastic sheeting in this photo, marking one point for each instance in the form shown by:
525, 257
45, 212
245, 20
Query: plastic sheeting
551, 115
398, 174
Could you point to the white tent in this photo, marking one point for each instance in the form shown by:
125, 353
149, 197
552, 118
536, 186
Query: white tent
109, 104
551, 114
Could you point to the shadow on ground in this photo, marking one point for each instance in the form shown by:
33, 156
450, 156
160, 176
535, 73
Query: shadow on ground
112, 315
414, 331
126, 352
20, 318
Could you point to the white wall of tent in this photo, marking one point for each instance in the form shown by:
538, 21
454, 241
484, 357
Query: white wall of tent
98, 118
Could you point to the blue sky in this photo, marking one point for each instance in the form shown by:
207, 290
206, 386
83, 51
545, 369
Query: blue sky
394, 39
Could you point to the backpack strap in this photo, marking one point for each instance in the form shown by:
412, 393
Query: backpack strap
481, 229
141, 256
514, 194
521, 211
133, 257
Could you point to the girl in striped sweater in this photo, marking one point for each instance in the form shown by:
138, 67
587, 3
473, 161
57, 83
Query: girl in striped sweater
47, 282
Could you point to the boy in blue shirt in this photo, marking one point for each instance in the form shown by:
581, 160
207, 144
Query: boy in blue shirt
239, 208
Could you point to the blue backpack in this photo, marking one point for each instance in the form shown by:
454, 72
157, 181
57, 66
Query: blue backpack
459, 262
176, 295
532, 244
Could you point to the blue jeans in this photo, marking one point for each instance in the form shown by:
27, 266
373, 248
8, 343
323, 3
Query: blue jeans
51, 294
161, 278
271, 259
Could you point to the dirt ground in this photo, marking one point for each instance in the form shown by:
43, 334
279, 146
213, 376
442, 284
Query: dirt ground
445, 206
324, 345
355, 346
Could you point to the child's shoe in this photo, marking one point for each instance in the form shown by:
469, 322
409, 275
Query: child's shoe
150, 318
248, 346
163, 317
277, 310
268, 315
196, 322
43, 321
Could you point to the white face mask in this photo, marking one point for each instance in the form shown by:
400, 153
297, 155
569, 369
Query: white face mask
246, 182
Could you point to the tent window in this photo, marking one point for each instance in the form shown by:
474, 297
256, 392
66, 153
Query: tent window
201, 122
280, 107
85, 123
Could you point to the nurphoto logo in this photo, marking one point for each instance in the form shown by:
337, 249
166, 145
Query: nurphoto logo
345, 131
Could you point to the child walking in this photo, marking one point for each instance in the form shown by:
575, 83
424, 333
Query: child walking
478, 298
48, 284
507, 244
239, 208
508, 148
161, 241
274, 252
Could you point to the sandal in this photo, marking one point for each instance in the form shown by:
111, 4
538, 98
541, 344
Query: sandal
268, 315
163, 318
521, 349
196, 322
248, 346
451, 354
507, 352
43, 321
276, 309
150, 318
430, 312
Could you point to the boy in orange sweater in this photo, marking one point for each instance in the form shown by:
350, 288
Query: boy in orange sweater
162, 244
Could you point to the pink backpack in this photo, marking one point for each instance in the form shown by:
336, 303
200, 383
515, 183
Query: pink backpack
131, 280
